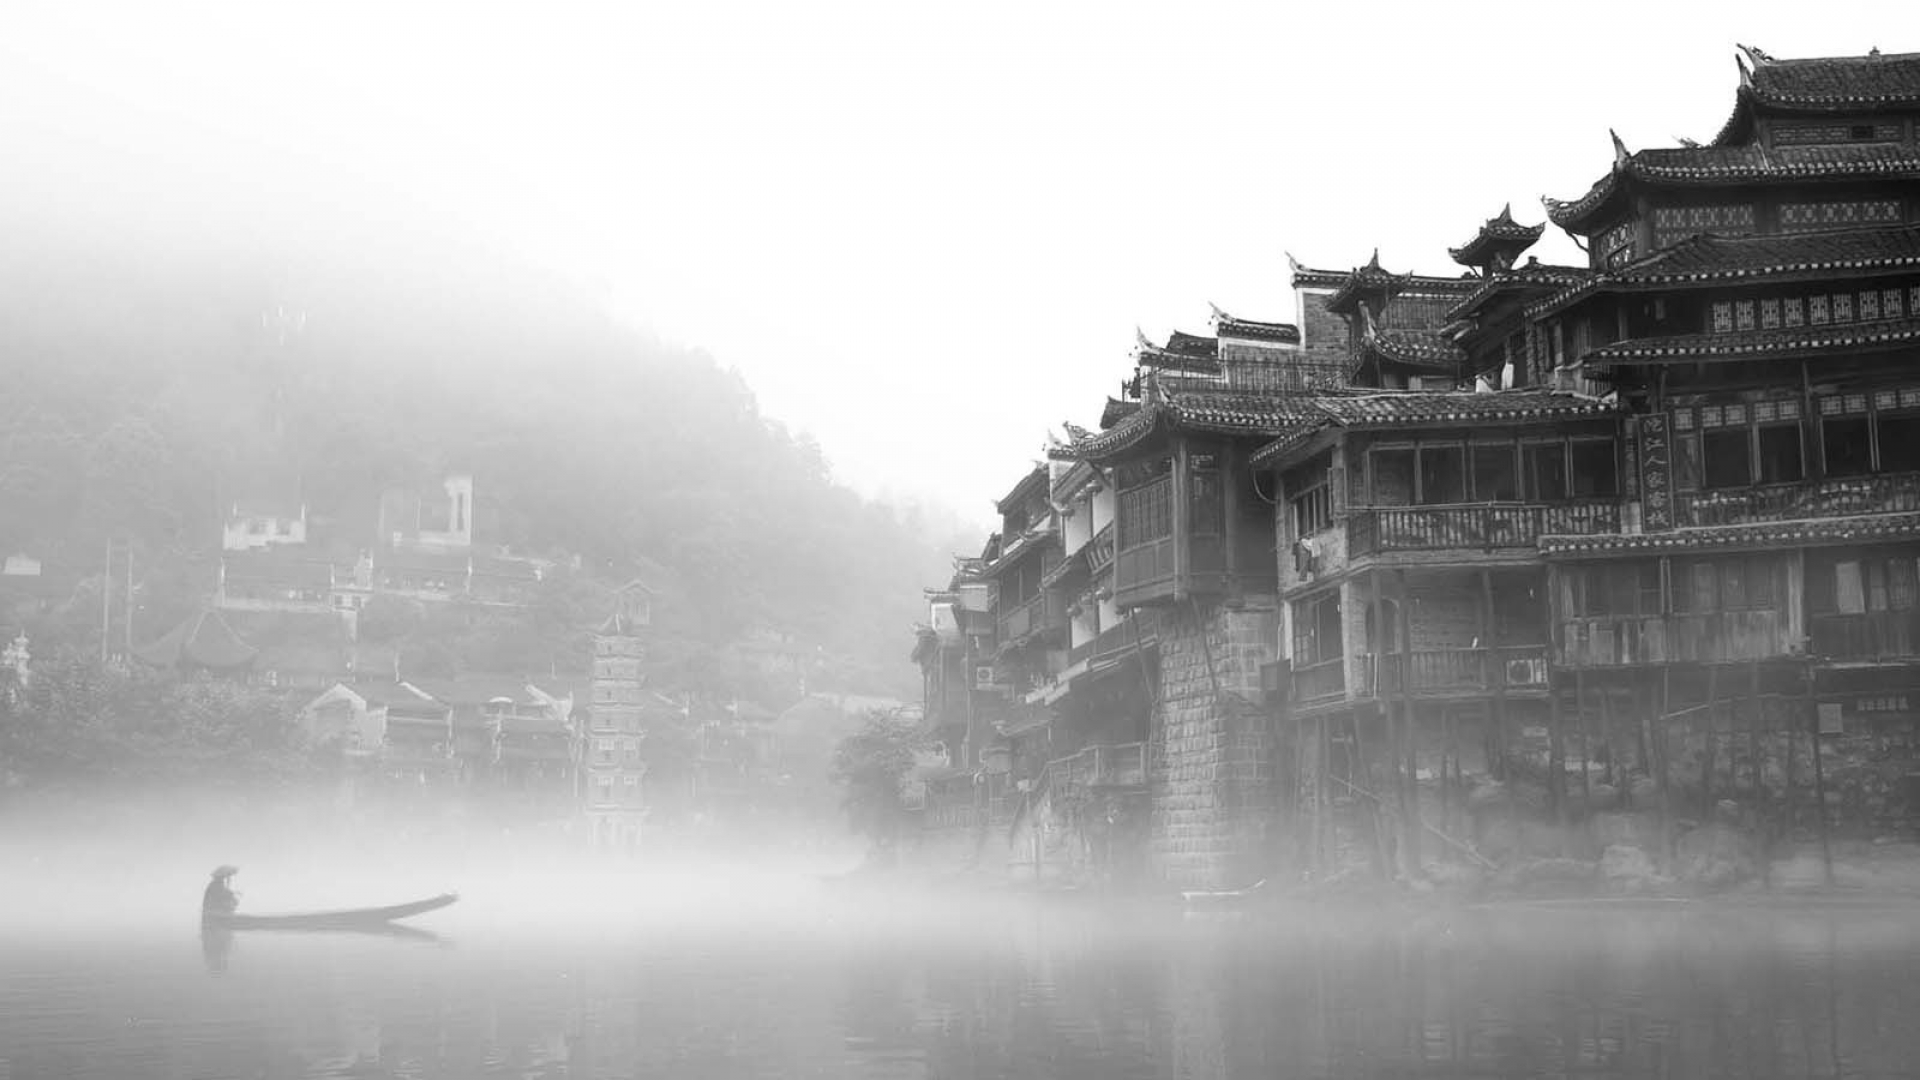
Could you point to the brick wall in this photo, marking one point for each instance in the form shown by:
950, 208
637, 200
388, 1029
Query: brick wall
1320, 329
1212, 770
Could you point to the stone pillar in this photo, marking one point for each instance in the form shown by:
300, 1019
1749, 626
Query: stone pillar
1212, 773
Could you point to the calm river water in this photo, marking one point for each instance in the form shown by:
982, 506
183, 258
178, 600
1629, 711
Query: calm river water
898, 989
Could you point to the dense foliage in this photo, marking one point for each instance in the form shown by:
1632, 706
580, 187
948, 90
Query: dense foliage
870, 766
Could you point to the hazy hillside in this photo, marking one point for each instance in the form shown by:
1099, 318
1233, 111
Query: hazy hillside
156, 366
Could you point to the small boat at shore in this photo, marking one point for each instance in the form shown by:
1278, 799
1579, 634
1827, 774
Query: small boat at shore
348, 919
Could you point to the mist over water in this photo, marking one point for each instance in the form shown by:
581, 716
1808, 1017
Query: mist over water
710, 961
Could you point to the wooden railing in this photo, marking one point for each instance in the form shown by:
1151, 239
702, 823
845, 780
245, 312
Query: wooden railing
1044, 612
1603, 641
1124, 765
1872, 635
1118, 637
1832, 497
1512, 667
1320, 681
1481, 528
1100, 551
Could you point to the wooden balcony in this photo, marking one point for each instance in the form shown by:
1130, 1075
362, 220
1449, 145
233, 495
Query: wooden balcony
1324, 680
1100, 552
1442, 672
1719, 637
1872, 635
1101, 766
1833, 497
1044, 614
1486, 528
1115, 639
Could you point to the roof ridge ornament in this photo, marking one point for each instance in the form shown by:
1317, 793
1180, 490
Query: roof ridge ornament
1620, 152
1219, 315
1759, 56
1746, 76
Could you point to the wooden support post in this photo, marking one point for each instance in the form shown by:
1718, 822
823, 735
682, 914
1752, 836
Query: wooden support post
1501, 737
1586, 738
1411, 806
1819, 778
1614, 776
1373, 806
1706, 758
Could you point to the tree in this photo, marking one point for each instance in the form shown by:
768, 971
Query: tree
871, 766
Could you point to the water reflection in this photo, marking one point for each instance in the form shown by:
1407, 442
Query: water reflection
1022, 992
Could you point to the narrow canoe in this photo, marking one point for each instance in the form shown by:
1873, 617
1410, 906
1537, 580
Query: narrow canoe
330, 920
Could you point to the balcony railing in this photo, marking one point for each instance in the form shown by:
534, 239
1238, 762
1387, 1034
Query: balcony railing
1124, 765
1479, 528
1833, 497
1320, 681
1716, 637
1118, 637
1042, 613
1100, 551
1872, 635
1511, 667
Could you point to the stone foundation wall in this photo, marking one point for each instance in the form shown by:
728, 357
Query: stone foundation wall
1212, 766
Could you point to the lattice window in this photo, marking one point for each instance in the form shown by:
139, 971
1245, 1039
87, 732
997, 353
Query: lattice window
1793, 312
1886, 399
1817, 310
1710, 416
1843, 307
1672, 224
1683, 419
1808, 217
1722, 317
1869, 305
1913, 299
1765, 412
1910, 397
1769, 314
1890, 304
1616, 244
1743, 315
1855, 403
1831, 406
1789, 408
1735, 414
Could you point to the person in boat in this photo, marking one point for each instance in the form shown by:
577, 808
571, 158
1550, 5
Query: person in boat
219, 899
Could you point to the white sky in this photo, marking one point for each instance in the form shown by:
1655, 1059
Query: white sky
924, 233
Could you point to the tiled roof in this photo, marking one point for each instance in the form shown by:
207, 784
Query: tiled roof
494, 566
1415, 408
290, 569
204, 639
1499, 233
1304, 277
1034, 481
1372, 278
1761, 534
1182, 352
1194, 410
1749, 344
1708, 259
1534, 277
1696, 165
1413, 348
1227, 326
1820, 85
402, 559
1116, 411
476, 689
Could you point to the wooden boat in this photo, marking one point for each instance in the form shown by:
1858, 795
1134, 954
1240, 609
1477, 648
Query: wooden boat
354, 918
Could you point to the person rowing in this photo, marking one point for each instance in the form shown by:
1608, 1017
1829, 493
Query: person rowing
219, 899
